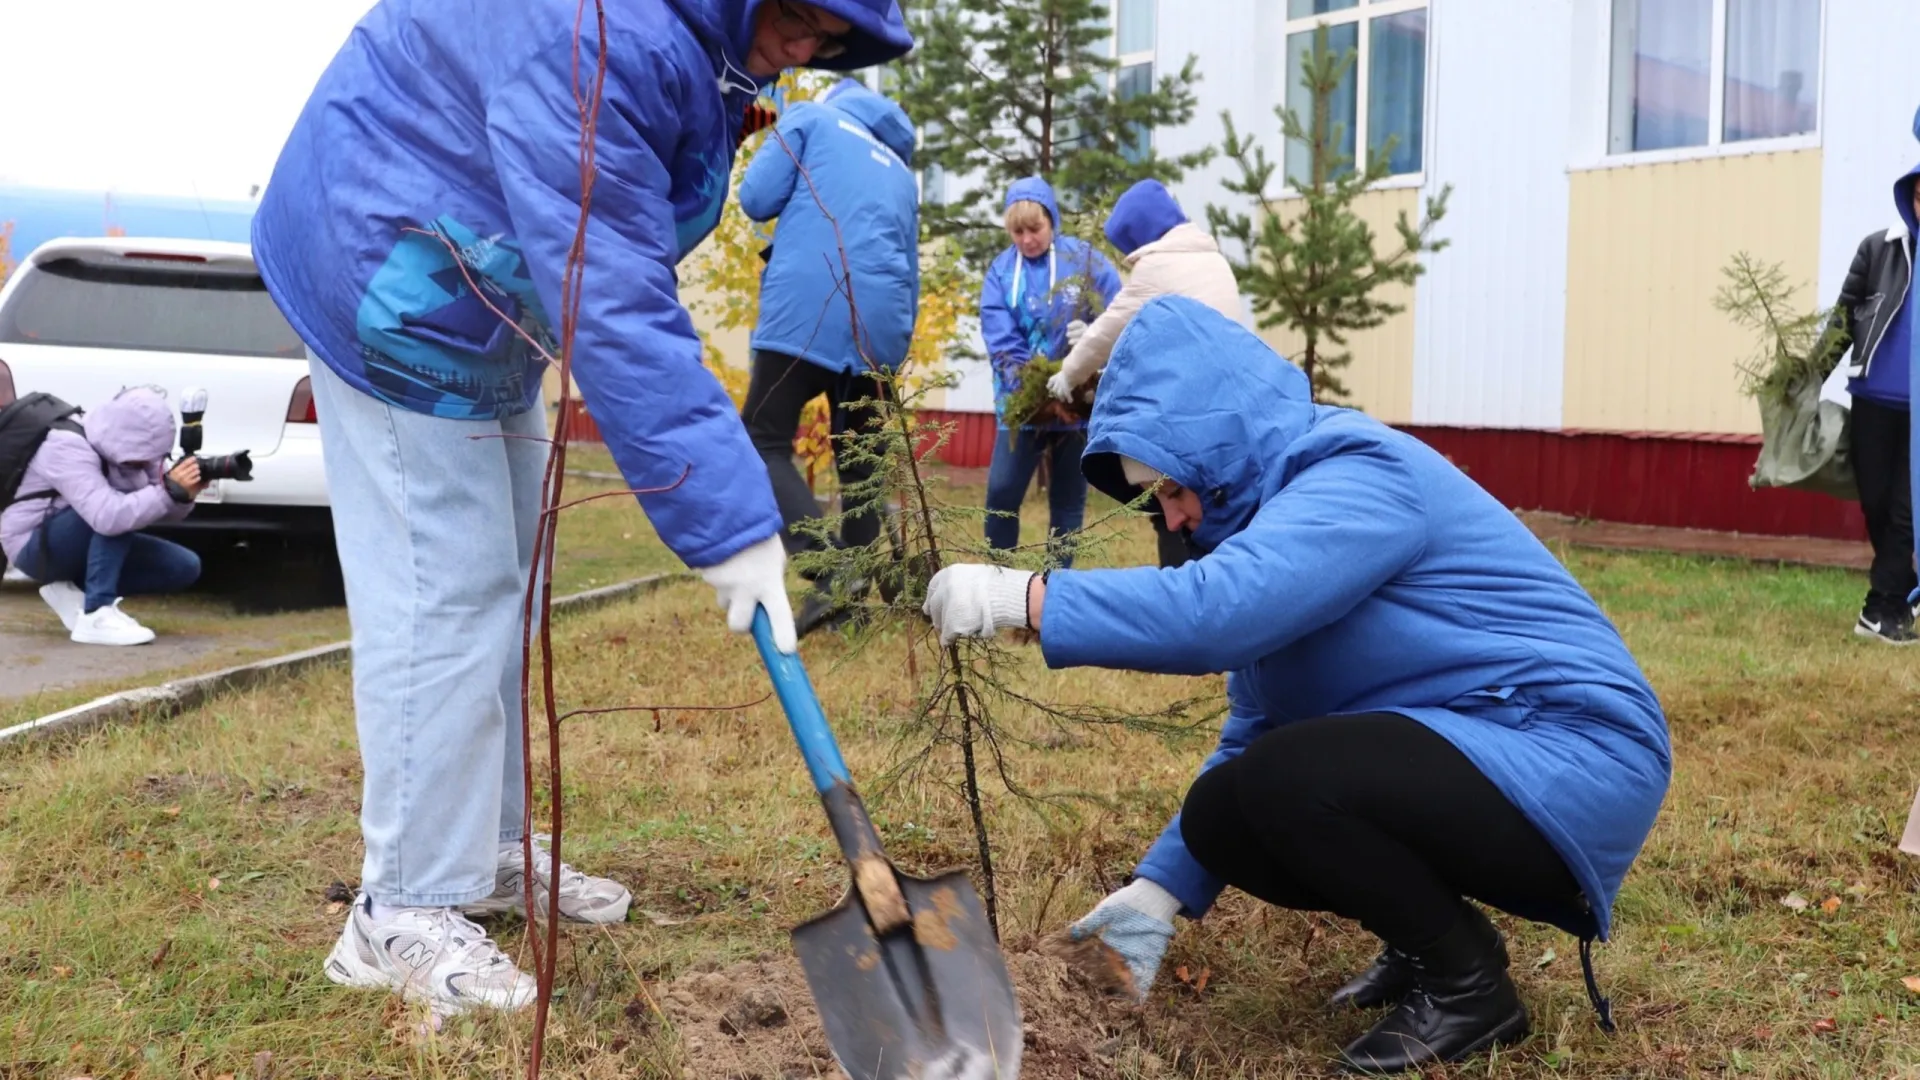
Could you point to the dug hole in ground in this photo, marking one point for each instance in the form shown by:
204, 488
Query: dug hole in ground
756, 1021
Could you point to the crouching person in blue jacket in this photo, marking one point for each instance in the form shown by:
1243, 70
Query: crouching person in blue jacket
1425, 708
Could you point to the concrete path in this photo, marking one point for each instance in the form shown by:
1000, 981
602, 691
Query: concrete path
35, 654
1800, 550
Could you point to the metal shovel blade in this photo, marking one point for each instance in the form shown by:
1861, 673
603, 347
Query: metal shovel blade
928, 1001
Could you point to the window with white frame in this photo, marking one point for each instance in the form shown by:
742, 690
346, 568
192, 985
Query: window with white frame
1389, 39
1127, 36
1133, 35
1703, 73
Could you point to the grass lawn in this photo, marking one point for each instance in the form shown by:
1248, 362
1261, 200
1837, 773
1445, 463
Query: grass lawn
162, 888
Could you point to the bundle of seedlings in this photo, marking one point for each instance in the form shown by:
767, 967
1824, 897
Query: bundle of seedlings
1031, 403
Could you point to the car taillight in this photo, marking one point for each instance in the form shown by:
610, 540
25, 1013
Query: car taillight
300, 410
6, 384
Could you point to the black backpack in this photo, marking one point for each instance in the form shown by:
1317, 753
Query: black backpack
23, 427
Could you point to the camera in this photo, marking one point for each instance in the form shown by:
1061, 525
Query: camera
234, 466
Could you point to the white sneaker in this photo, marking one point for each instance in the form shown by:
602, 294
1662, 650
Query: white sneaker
429, 955
16, 576
109, 626
582, 898
67, 600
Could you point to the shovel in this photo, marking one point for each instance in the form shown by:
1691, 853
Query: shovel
905, 971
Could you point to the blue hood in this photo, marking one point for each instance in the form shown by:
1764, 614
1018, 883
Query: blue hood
1903, 197
879, 33
1143, 215
1197, 396
880, 115
1034, 189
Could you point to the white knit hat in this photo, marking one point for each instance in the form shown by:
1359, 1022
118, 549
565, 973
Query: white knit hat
1141, 475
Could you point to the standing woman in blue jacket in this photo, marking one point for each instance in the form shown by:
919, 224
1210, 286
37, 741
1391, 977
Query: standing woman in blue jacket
431, 185
1425, 709
837, 174
1038, 295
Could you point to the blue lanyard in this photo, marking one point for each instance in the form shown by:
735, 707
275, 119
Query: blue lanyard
1031, 323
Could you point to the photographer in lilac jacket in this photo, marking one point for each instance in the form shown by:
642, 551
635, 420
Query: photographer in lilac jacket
76, 521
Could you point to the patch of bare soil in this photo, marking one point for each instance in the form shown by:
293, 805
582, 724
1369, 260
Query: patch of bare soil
756, 1021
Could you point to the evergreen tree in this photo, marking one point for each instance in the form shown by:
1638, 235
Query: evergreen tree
1309, 263
1003, 89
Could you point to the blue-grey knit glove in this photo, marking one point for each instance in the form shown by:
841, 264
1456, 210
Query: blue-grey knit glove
1136, 923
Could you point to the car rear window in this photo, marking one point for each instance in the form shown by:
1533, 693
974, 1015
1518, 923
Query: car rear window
119, 305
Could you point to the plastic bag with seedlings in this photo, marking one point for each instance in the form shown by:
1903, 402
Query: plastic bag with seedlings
1804, 436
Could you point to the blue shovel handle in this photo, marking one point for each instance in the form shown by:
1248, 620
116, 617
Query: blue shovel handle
803, 710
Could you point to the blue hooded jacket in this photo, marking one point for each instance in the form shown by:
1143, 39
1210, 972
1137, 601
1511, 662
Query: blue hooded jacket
1142, 215
857, 148
1903, 192
430, 118
1026, 304
1351, 569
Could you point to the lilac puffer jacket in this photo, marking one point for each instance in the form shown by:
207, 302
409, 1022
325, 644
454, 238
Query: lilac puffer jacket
90, 472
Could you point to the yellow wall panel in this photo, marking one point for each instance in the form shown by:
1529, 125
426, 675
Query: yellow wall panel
1645, 348
1380, 379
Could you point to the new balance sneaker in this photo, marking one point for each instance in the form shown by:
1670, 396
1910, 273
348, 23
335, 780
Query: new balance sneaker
582, 898
109, 626
1889, 623
67, 601
430, 955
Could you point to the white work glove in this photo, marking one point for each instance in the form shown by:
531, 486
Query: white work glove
1075, 331
976, 601
1059, 386
1136, 923
756, 577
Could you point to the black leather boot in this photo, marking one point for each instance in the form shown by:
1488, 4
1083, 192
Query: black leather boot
1390, 977
1461, 1003
827, 608
1385, 982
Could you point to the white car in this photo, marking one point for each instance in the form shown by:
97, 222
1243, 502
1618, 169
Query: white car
82, 319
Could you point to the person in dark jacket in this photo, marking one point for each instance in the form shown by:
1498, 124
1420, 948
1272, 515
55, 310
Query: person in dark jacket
1035, 300
837, 173
1425, 707
1876, 307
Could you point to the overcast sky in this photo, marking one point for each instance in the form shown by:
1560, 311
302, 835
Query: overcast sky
158, 96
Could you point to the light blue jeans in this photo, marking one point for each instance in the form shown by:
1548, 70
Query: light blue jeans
435, 521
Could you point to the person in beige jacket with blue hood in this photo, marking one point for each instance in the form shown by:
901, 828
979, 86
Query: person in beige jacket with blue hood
1169, 256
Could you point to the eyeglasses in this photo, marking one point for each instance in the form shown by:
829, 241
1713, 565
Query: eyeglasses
125, 390
795, 23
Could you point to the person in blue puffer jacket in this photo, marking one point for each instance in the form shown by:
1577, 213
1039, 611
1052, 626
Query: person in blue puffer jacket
1424, 705
837, 173
416, 233
1037, 298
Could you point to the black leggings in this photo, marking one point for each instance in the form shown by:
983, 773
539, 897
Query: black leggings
1880, 467
777, 393
1374, 818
